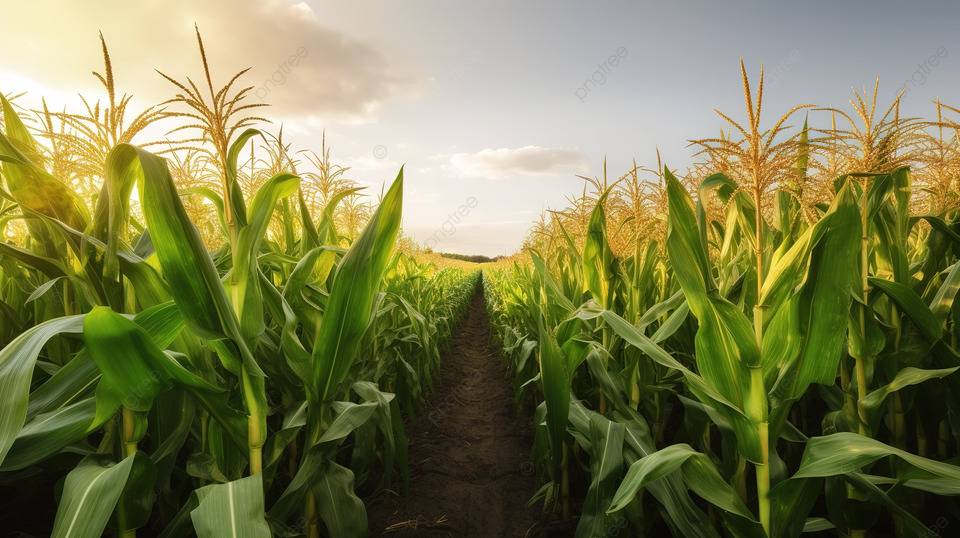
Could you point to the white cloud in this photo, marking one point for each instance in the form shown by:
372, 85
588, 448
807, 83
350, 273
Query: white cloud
527, 161
299, 66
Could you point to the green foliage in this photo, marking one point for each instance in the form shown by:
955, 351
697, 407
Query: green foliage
270, 385
832, 383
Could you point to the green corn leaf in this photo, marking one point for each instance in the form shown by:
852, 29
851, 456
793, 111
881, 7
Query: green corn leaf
310, 239
118, 346
48, 433
326, 230
637, 441
74, 380
817, 524
77, 378
912, 305
725, 342
243, 282
606, 441
231, 510
660, 309
42, 289
214, 198
16, 371
906, 377
941, 226
355, 288
674, 321
138, 496
342, 512
293, 496
846, 452
947, 293
31, 186
699, 472
294, 293
821, 304
348, 417
876, 495
389, 423
134, 369
556, 392
599, 263
553, 289
788, 270
90, 495
790, 504
724, 187
683, 514
194, 281
111, 216
937, 486
631, 335
234, 192
48, 266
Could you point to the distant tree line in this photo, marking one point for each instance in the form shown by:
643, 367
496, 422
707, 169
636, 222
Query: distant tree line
475, 258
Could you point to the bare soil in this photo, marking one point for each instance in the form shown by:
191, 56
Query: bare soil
471, 474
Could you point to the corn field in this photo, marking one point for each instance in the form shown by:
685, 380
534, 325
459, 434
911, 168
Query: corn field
171, 375
210, 333
764, 346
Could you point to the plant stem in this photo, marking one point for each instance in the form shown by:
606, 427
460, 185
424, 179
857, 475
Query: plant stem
129, 432
860, 368
129, 439
256, 448
313, 522
757, 398
758, 412
254, 395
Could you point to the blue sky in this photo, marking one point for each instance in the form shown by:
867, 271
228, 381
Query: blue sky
480, 99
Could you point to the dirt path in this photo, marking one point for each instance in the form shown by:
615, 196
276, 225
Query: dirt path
469, 453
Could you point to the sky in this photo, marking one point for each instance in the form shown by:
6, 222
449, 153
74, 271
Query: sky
494, 107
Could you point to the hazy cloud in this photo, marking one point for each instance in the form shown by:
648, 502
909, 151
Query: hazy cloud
527, 160
299, 66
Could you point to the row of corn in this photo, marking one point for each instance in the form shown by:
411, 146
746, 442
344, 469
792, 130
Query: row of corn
244, 380
765, 346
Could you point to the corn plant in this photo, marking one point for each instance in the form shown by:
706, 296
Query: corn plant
778, 352
253, 389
